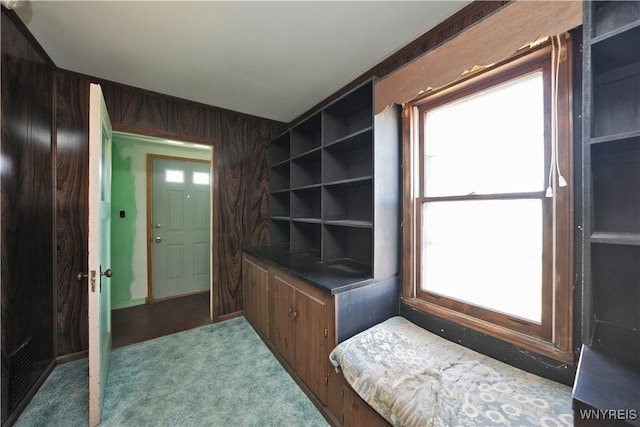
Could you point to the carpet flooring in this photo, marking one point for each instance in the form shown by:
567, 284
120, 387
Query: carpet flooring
215, 375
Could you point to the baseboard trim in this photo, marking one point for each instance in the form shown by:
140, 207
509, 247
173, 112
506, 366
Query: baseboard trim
128, 303
230, 315
72, 357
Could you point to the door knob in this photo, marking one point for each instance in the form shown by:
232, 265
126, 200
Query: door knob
158, 239
107, 273
158, 226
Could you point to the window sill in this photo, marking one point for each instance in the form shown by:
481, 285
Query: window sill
537, 345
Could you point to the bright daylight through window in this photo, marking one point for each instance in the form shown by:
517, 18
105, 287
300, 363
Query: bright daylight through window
487, 221
486, 250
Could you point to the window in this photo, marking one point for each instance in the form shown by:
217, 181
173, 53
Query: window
174, 175
201, 178
490, 206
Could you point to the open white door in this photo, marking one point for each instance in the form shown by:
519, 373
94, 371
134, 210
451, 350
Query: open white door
99, 251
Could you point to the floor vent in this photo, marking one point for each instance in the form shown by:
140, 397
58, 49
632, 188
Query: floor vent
19, 373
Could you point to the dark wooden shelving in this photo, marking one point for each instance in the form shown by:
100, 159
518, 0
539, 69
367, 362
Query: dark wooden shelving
611, 207
279, 150
633, 135
349, 223
334, 182
279, 177
359, 179
610, 18
616, 238
306, 136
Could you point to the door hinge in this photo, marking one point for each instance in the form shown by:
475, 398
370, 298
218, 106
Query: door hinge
326, 332
326, 380
342, 419
342, 393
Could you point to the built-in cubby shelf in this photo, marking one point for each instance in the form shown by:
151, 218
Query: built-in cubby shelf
610, 18
279, 177
306, 169
615, 188
348, 115
279, 150
306, 136
336, 190
611, 175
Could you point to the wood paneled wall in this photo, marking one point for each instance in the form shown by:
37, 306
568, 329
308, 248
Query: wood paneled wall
240, 187
27, 221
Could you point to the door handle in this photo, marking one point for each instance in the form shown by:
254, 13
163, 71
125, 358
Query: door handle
107, 273
158, 239
158, 225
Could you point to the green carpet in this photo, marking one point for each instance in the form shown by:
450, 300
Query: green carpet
216, 375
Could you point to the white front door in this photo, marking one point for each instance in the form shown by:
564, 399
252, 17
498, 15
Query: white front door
99, 247
181, 206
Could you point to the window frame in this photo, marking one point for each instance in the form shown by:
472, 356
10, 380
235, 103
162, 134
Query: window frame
554, 336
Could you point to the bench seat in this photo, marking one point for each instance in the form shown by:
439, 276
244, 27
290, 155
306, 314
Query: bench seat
412, 377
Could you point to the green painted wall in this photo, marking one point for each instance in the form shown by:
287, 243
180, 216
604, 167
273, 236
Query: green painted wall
129, 194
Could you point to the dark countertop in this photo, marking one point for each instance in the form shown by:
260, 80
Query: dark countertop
606, 385
330, 277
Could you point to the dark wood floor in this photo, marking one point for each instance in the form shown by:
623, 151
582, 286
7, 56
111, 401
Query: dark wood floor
148, 321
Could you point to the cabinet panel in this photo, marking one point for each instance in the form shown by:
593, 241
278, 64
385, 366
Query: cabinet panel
357, 413
255, 285
261, 299
284, 294
310, 317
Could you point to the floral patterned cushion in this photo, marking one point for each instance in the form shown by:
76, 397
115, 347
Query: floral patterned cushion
415, 378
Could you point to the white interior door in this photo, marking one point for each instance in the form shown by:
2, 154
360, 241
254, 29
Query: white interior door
99, 251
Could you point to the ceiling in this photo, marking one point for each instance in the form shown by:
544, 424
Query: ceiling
270, 59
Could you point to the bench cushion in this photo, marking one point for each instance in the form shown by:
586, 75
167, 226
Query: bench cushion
415, 378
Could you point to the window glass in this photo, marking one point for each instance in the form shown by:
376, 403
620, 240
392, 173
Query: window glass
487, 143
488, 253
174, 175
201, 178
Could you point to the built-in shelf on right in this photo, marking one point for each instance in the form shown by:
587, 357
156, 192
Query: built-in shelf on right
615, 180
616, 238
615, 270
613, 16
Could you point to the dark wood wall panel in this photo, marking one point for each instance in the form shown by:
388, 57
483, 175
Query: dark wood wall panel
188, 120
229, 235
71, 211
141, 110
240, 190
27, 221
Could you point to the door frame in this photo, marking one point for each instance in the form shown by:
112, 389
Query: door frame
150, 158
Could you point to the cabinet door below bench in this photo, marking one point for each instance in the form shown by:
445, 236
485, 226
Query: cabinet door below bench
356, 413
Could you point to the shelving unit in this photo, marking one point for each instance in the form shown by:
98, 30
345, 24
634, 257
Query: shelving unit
611, 173
341, 203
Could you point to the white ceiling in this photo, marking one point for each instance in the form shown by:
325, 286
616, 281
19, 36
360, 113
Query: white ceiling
266, 58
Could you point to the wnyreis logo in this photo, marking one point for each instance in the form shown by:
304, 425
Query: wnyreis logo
609, 414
